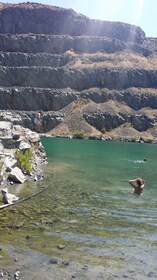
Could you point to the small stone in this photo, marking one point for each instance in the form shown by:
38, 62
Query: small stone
17, 275
28, 236
60, 246
53, 261
85, 267
66, 263
72, 221
125, 276
151, 274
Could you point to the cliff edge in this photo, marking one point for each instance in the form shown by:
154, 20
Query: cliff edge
87, 75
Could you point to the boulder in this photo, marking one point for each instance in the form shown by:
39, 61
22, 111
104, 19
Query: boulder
6, 129
38, 175
8, 198
16, 175
24, 145
32, 136
1, 148
10, 162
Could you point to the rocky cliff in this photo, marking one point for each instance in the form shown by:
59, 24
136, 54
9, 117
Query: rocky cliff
85, 75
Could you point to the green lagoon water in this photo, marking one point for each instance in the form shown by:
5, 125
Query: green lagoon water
89, 210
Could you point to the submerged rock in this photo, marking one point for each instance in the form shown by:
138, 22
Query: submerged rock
38, 175
8, 198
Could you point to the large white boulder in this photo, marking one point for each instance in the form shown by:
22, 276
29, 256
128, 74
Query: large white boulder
24, 145
8, 198
6, 129
17, 176
10, 162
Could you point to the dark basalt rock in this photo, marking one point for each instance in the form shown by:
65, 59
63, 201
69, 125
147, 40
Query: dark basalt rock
82, 73
36, 18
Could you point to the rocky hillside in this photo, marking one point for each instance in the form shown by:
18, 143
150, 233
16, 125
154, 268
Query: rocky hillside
86, 75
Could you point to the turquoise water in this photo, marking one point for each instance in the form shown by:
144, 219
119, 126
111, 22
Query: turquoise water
104, 166
91, 182
90, 208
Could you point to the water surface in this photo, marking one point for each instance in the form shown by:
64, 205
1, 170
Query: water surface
89, 209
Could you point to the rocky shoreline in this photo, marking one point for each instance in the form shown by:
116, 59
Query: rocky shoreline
30, 265
45, 267
103, 138
15, 138
16, 142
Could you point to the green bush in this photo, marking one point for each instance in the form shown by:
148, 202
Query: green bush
1, 165
103, 130
149, 140
23, 159
79, 135
133, 139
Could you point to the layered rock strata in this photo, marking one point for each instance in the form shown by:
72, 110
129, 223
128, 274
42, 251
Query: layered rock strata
88, 75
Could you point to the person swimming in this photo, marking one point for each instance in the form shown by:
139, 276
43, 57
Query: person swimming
140, 160
137, 184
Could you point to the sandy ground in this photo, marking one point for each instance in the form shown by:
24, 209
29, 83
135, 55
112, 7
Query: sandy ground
32, 265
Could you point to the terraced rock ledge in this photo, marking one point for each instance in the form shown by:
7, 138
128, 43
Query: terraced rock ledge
89, 76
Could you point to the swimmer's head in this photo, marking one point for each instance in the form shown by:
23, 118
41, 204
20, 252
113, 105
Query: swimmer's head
140, 182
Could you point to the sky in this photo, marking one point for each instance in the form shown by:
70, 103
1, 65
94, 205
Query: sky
142, 13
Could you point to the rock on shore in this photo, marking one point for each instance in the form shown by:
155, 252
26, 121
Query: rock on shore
17, 138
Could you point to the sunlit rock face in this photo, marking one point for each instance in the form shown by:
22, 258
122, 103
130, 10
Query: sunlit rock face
12, 135
43, 19
84, 74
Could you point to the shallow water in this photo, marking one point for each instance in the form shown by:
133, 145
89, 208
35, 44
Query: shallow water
89, 209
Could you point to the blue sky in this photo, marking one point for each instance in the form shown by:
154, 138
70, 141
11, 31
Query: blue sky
138, 12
